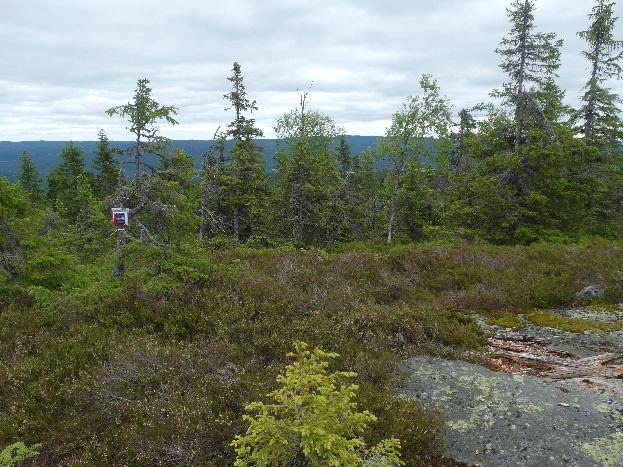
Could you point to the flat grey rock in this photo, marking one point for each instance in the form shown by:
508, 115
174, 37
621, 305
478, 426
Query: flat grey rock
497, 419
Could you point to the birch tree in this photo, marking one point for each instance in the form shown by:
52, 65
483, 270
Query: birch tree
410, 135
307, 174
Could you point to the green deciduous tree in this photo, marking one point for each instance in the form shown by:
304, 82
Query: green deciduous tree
419, 128
312, 420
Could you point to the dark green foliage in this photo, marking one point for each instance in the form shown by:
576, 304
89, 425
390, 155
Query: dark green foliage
600, 110
528, 58
63, 180
29, 178
234, 188
108, 174
307, 185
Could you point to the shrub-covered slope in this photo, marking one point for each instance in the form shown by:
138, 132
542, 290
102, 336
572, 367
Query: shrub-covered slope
156, 368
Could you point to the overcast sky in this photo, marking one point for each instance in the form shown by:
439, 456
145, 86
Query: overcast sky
63, 62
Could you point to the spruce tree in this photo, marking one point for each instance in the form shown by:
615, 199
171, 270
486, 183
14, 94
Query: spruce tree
460, 158
600, 111
212, 216
29, 177
143, 114
142, 196
63, 179
241, 127
366, 203
245, 175
307, 175
107, 166
344, 156
530, 59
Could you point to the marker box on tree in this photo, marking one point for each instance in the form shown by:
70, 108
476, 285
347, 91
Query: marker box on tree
120, 217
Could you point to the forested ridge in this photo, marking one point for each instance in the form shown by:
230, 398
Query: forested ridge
142, 345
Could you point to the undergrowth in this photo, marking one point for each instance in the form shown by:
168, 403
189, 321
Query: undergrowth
157, 367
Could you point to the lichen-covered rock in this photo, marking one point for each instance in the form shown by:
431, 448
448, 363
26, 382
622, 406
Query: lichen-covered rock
496, 419
590, 292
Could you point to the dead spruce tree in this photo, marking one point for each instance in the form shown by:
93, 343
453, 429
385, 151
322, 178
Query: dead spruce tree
140, 195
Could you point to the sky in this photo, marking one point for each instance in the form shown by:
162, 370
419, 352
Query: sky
64, 62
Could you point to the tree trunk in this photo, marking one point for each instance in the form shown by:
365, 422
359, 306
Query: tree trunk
122, 239
520, 85
393, 202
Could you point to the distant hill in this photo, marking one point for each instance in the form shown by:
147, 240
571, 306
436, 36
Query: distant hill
45, 154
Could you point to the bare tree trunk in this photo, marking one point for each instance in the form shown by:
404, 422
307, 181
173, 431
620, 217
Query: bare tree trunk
394, 202
122, 238
520, 86
236, 223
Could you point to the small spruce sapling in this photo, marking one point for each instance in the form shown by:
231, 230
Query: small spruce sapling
313, 420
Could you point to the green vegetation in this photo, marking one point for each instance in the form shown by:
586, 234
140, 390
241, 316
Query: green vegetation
16, 453
509, 321
312, 421
143, 346
552, 320
159, 364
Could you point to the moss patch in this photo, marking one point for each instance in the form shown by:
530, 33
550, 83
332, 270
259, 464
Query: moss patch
552, 320
506, 321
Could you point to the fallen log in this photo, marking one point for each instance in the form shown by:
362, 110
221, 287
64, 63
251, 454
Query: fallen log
529, 357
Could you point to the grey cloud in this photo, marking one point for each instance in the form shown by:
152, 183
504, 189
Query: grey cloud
63, 63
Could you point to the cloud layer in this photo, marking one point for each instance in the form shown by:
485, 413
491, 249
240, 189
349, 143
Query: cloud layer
63, 63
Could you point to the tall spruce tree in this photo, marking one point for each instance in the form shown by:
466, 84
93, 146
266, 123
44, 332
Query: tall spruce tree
600, 110
345, 157
29, 178
142, 194
143, 114
241, 127
63, 179
460, 157
107, 166
530, 59
245, 183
